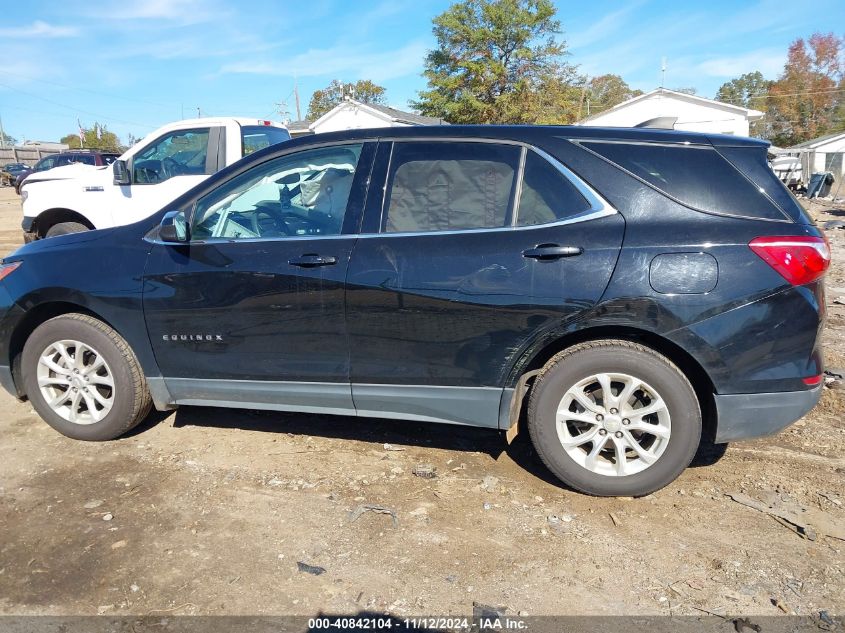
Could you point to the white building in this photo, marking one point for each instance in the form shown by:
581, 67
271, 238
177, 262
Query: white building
353, 115
824, 153
693, 113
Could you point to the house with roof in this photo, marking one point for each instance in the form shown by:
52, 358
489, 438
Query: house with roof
351, 114
662, 108
821, 154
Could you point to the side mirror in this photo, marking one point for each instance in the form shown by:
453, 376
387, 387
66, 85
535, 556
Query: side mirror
173, 228
121, 172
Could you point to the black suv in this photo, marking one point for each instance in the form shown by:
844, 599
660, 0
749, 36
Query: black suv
626, 292
84, 156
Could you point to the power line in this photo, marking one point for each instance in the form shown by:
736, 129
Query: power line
88, 90
76, 110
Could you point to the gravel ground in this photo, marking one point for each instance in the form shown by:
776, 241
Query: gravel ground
211, 511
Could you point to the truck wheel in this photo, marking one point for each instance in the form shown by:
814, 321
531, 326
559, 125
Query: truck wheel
612, 417
83, 379
63, 228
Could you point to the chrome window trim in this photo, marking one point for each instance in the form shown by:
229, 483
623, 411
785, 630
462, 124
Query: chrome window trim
599, 207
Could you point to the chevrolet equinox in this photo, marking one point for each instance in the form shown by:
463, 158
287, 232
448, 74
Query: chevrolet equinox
624, 292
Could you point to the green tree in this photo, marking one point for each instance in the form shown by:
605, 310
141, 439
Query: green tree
499, 61
606, 91
362, 90
95, 137
750, 90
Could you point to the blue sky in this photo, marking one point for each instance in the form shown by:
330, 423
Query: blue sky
137, 65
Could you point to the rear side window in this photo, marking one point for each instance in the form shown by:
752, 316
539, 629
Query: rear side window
547, 194
450, 186
752, 162
694, 175
256, 137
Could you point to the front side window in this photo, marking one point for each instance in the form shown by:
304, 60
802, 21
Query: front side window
302, 194
441, 186
180, 153
547, 194
45, 163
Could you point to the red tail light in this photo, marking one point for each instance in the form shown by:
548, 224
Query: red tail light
798, 259
812, 381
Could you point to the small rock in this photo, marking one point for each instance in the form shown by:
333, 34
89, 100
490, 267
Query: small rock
118, 544
391, 447
397, 470
839, 301
96, 503
489, 483
419, 512
487, 505
314, 570
134, 588
426, 471
108, 516
104, 608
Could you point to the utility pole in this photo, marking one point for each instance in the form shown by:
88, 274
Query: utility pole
296, 96
199, 114
2, 134
662, 72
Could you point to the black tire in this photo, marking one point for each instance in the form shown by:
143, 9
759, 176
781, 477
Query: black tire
64, 228
576, 363
131, 397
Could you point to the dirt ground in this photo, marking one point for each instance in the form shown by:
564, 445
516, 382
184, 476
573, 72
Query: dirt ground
209, 511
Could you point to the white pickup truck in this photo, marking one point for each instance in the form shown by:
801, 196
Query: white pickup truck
158, 169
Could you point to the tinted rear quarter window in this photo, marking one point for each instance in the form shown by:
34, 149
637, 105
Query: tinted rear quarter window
752, 162
697, 176
450, 186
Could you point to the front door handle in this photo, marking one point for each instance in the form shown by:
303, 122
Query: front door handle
552, 251
312, 260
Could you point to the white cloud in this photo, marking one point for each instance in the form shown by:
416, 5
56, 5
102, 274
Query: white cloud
39, 29
337, 61
768, 61
183, 12
601, 30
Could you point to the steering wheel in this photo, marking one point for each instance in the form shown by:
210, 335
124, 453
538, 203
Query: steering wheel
279, 217
170, 167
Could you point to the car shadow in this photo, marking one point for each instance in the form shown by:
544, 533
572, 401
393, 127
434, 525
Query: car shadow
379, 431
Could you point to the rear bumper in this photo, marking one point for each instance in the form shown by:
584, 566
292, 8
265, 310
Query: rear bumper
748, 415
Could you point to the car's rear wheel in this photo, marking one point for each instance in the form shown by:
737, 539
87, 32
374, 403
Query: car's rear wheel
614, 417
64, 228
83, 379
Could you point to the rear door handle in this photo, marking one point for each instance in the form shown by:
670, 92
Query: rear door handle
552, 251
312, 260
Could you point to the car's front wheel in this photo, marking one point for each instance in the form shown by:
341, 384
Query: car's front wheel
612, 417
83, 379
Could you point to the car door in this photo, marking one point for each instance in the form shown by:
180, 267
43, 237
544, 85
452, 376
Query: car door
476, 249
251, 310
163, 170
